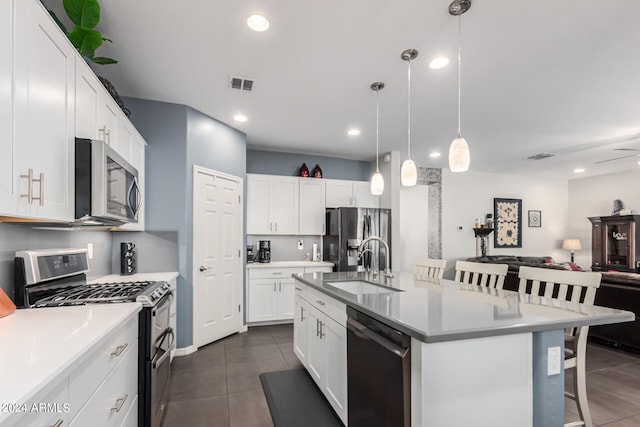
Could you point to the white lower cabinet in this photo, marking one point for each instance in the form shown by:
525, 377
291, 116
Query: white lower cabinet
52, 410
320, 342
270, 294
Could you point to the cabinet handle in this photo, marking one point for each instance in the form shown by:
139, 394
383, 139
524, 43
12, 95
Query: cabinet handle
320, 302
58, 423
298, 289
279, 286
301, 313
274, 286
203, 268
119, 403
321, 326
323, 229
276, 226
277, 273
107, 135
270, 226
119, 349
40, 197
317, 327
29, 194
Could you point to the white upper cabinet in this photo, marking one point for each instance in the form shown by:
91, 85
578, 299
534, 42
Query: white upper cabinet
43, 108
312, 206
89, 92
272, 204
8, 201
342, 193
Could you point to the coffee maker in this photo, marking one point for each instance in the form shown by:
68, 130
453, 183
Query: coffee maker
251, 256
264, 251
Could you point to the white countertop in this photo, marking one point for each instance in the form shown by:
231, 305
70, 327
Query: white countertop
152, 277
437, 310
38, 345
289, 264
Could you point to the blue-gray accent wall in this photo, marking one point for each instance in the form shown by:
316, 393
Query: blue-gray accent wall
277, 163
178, 138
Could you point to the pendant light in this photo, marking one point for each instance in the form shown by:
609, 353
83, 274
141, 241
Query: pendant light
409, 173
459, 156
377, 182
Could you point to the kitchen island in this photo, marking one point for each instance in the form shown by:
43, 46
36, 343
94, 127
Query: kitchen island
478, 355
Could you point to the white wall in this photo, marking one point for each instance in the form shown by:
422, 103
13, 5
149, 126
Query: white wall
469, 195
594, 196
414, 231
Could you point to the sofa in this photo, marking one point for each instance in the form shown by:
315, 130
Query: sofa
619, 290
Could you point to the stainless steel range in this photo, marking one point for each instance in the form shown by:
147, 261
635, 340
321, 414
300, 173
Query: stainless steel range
52, 278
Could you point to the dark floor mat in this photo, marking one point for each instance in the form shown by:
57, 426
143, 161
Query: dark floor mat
294, 400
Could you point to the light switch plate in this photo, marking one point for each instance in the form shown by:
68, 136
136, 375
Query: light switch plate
90, 250
554, 361
300, 245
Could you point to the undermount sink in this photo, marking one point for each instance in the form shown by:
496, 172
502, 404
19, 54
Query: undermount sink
358, 287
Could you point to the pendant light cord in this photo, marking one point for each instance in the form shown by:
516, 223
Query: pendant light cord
459, 71
409, 109
377, 119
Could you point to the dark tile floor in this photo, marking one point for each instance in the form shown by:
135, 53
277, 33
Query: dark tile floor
219, 384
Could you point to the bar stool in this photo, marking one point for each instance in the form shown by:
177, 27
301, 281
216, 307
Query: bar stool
424, 268
577, 287
480, 273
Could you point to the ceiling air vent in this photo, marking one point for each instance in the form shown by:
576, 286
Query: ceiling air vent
541, 156
241, 83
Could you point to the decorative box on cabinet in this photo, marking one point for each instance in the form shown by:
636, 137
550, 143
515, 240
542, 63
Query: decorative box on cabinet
342, 193
616, 243
43, 109
272, 204
271, 294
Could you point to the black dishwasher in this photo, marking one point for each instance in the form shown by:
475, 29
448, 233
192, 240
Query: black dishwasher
378, 372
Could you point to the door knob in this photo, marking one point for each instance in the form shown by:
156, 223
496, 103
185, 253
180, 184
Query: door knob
203, 268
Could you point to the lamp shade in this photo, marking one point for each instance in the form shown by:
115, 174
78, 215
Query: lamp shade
377, 184
572, 245
409, 173
459, 156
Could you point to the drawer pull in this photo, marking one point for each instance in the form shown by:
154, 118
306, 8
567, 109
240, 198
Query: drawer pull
119, 403
119, 349
298, 289
277, 272
321, 302
58, 423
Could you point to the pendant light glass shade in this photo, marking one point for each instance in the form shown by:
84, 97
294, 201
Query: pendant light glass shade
377, 184
459, 156
377, 181
409, 173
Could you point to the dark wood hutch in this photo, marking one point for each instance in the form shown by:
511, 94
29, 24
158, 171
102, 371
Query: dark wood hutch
615, 243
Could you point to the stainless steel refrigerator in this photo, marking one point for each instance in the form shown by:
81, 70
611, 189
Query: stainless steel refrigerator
346, 228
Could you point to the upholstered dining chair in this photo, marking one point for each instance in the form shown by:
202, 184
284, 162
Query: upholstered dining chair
424, 268
574, 286
480, 273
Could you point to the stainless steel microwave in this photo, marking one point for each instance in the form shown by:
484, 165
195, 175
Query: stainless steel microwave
107, 189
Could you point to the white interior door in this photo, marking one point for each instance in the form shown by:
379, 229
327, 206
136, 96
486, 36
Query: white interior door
217, 261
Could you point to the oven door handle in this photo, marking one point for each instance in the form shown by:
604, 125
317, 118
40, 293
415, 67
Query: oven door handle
161, 359
160, 340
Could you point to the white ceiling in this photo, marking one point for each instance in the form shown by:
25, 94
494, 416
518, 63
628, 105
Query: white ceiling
543, 75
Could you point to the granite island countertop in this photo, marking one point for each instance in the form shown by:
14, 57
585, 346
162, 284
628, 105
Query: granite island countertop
438, 310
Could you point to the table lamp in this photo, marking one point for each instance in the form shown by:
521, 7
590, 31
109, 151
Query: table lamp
572, 245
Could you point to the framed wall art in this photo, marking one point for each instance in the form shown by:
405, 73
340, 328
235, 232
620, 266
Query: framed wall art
535, 218
508, 223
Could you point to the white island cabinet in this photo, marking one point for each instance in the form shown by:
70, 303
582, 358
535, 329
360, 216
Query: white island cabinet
8, 200
70, 366
472, 349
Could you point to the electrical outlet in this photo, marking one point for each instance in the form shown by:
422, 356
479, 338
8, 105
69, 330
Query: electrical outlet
90, 250
459, 228
554, 361
300, 245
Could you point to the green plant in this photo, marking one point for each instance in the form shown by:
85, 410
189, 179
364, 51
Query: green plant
85, 15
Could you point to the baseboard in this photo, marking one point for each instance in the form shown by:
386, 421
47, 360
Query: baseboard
184, 351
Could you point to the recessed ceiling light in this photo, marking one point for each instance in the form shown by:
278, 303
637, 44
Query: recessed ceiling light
434, 155
353, 132
240, 118
439, 62
579, 170
258, 23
